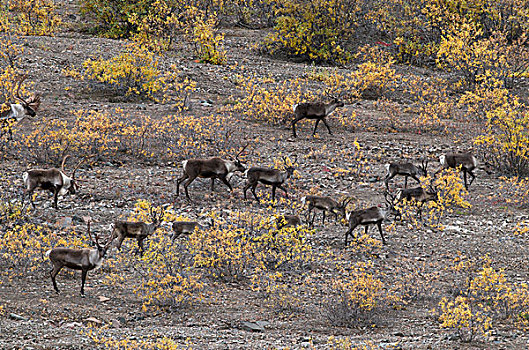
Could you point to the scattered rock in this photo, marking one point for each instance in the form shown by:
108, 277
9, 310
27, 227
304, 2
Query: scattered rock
72, 325
94, 321
251, 326
17, 317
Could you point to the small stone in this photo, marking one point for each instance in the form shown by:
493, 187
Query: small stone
251, 327
94, 320
17, 317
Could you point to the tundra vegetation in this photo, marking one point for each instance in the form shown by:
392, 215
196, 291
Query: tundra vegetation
128, 91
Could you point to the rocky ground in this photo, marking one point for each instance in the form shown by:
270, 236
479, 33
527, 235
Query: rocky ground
36, 317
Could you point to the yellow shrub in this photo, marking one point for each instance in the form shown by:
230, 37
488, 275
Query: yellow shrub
486, 296
487, 96
434, 106
165, 280
208, 46
223, 253
10, 47
467, 51
373, 79
156, 23
113, 133
93, 132
284, 248
466, 318
346, 344
124, 343
271, 101
35, 17
138, 72
315, 30
505, 144
419, 28
279, 291
514, 191
354, 296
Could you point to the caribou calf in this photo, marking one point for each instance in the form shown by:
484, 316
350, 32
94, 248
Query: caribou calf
287, 221
138, 230
466, 161
273, 177
314, 110
78, 259
187, 228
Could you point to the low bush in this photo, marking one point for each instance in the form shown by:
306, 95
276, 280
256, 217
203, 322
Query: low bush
485, 297
315, 30
137, 72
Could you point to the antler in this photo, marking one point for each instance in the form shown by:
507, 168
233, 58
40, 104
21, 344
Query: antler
156, 217
85, 158
18, 83
34, 101
386, 194
238, 154
346, 201
63, 162
425, 163
94, 238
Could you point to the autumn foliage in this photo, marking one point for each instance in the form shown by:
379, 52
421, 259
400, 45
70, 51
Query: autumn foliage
451, 71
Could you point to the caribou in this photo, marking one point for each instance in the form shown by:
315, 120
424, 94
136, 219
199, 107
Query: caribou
25, 108
212, 168
314, 110
466, 161
325, 204
370, 216
273, 177
406, 170
137, 230
78, 259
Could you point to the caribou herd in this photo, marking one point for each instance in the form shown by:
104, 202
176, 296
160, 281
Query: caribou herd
59, 182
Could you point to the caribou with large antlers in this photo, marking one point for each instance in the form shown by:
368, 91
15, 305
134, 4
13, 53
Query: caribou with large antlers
24, 108
78, 259
18, 111
53, 180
